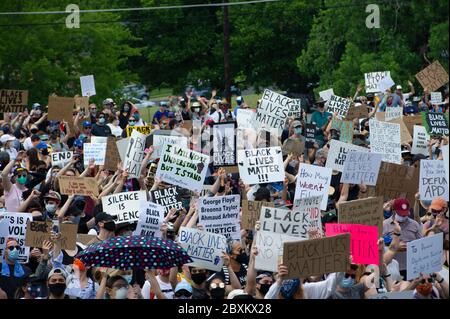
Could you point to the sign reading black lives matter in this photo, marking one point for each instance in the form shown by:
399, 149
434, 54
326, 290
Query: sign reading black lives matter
224, 144
435, 123
273, 111
168, 198
310, 135
261, 165
13, 101
338, 105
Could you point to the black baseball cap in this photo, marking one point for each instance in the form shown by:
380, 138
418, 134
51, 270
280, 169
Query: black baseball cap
103, 217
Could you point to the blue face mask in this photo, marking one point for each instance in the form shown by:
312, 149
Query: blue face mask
136, 116
298, 131
101, 120
347, 282
387, 214
387, 240
128, 278
13, 255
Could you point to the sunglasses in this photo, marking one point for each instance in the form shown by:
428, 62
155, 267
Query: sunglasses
11, 248
93, 109
182, 293
350, 275
21, 175
437, 211
215, 286
429, 280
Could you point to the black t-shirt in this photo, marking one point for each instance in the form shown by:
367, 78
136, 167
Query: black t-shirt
101, 130
10, 284
241, 274
199, 294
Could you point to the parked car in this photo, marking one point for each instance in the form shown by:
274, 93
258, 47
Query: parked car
135, 90
142, 104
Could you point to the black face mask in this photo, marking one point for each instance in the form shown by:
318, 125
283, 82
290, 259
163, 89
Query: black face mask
110, 226
198, 278
57, 289
264, 288
218, 293
242, 258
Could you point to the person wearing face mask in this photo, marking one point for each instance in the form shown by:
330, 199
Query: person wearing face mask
93, 112
216, 287
12, 272
7, 141
52, 201
263, 283
167, 281
438, 207
196, 110
198, 277
427, 287
124, 114
79, 284
235, 264
348, 288
162, 112
56, 284
105, 224
13, 190
100, 128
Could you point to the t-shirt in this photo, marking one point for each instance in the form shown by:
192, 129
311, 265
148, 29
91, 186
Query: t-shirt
13, 198
101, 130
355, 292
241, 274
166, 289
10, 284
199, 294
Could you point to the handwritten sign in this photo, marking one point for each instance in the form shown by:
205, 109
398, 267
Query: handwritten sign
385, 83
326, 95
60, 108
87, 85
113, 158
151, 218
432, 77
38, 231
357, 112
245, 118
420, 141
251, 211
124, 207
14, 225
392, 113
160, 140
134, 155
436, 98
397, 181
261, 165
272, 111
338, 153
313, 181
436, 123
86, 186
338, 105
385, 140
372, 79
143, 129
367, 211
433, 182
13, 101
310, 216
224, 144
424, 256
96, 151
270, 249
281, 221
361, 168
310, 137
168, 198
61, 158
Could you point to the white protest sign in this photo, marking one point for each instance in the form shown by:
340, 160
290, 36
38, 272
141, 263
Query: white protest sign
424, 256
224, 144
61, 158
361, 168
338, 153
87, 85
134, 154
406, 294
433, 182
261, 165
338, 105
272, 111
326, 95
445, 154
270, 249
182, 167
205, 249
295, 109
392, 113
14, 225
99, 139
436, 98
385, 83
122, 146
420, 140
313, 181
385, 140
246, 119
220, 215
124, 207
151, 218
310, 216
372, 79
96, 151
160, 140
281, 221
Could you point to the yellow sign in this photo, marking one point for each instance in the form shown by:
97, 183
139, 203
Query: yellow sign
141, 129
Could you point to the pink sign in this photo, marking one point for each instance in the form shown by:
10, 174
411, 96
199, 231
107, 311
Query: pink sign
363, 241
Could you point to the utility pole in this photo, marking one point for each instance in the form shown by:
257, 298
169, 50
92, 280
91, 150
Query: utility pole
226, 54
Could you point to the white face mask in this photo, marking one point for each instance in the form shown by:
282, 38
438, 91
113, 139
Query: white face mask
51, 208
121, 293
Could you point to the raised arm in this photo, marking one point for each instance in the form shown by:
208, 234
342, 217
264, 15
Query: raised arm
7, 185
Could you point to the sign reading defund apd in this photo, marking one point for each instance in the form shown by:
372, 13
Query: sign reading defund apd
182, 167
433, 182
15, 225
338, 105
220, 215
124, 207
261, 165
435, 123
273, 111
135, 154
313, 181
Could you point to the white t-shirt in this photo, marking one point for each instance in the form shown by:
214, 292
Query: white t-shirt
27, 144
115, 130
166, 289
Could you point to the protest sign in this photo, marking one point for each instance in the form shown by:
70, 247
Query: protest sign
251, 211
124, 207
424, 256
159, 141
270, 249
294, 146
220, 215
224, 144
346, 132
61, 158
272, 111
436, 124
87, 85
405, 136
96, 151
357, 112
282, 221
433, 182
380, 116
295, 109
60, 108
85, 239
367, 211
38, 231
13, 101
82, 103
205, 249
385, 140
134, 155
397, 181
70, 185
385, 83
363, 241
310, 216
261, 165
392, 113
372, 79
168, 198
436, 98
326, 95
151, 218
313, 181
338, 105
315, 257
182, 167
122, 146
113, 158
432, 77
445, 155
99, 139
310, 135
361, 168
406, 294
410, 121
245, 118
146, 129
338, 153
14, 225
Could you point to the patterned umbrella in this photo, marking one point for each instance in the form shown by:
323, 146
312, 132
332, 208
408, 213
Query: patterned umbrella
131, 252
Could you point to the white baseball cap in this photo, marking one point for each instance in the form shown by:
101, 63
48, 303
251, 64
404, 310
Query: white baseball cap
6, 138
399, 87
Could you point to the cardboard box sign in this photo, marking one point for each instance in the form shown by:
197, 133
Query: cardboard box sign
37, 232
86, 186
432, 77
13, 101
396, 181
60, 108
251, 211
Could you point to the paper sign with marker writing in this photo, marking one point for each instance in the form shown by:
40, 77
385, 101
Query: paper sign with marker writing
168, 198
424, 256
270, 249
433, 182
420, 141
338, 105
367, 211
326, 95
272, 111
70, 185
15, 225
436, 98
87, 85
96, 151
281, 221
261, 165
372, 79
338, 153
160, 140
151, 217
392, 113
385, 140
310, 216
245, 118
385, 83
61, 158
124, 207
251, 210
361, 168
134, 155
313, 181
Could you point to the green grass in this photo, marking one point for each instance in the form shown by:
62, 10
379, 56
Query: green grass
160, 93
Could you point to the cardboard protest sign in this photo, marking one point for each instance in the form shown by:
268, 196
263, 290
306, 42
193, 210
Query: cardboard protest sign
168, 198
61, 158
82, 103
433, 182
395, 181
385, 83
220, 215
357, 112
96, 151
424, 256
380, 116
270, 249
361, 168
122, 146
85, 239
205, 249
338, 153
99, 139
251, 211
86, 186
13, 101
124, 207
295, 109
272, 111
385, 140
405, 136
410, 121
60, 108
372, 79
436, 98
310, 216
317, 256
182, 167
146, 130
406, 294
313, 181
135, 155
436, 124
338, 105
392, 113
326, 95
310, 135
432, 77
87, 85
38, 231
363, 241
245, 118
294, 146
159, 141
15, 225
261, 165
224, 144
151, 218
367, 211
113, 158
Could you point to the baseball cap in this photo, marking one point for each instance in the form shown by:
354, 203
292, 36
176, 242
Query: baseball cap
87, 124
58, 271
108, 101
438, 204
264, 274
53, 195
183, 285
103, 217
399, 87
41, 146
296, 124
163, 103
401, 206
6, 138
236, 293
